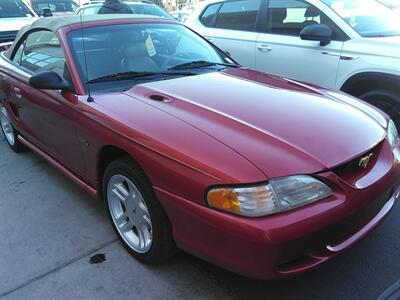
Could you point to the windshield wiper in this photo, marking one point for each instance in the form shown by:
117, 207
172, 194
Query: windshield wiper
135, 75
200, 64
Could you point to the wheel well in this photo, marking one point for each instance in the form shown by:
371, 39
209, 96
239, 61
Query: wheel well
364, 82
106, 155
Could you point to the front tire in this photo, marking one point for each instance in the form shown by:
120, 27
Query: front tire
136, 215
10, 133
386, 101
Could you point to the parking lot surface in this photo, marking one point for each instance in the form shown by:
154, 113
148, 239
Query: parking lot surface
50, 230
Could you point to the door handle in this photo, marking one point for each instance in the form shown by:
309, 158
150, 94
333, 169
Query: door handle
342, 57
331, 53
264, 48
17, 92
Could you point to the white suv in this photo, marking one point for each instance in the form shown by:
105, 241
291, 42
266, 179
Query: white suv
14, 14
349, 45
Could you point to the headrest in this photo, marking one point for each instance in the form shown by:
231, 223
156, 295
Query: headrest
278, 14
312, 12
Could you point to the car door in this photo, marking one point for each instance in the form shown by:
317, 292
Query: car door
281, 51
231, 25
44, 117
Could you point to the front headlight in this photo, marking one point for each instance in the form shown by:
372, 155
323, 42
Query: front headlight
392, 134
278, 195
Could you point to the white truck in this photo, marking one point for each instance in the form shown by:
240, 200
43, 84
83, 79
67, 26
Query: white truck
14, 14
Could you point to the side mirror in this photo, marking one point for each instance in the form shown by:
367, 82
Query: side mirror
49, 80
317, 32
46, 12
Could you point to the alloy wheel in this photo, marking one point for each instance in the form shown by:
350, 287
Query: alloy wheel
7, 126
129, 213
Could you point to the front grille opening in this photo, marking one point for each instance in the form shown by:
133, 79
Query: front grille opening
353, 170
7, 36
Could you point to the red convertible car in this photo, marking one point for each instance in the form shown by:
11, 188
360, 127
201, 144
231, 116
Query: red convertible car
262, 175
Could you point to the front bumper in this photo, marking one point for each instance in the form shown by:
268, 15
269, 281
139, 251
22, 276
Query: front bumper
292, 242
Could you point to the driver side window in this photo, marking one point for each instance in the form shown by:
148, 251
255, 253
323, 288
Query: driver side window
42, 52
17, 56
292, 16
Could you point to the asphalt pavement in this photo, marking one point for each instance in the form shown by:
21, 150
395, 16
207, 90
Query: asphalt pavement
56, 243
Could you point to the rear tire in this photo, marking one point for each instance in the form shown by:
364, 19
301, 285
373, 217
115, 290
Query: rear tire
136, 215
386, 101
10, 133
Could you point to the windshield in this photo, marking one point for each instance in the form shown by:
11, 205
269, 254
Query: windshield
54, 6
14, 9
368, 17
140, 9
152, 10
140, 48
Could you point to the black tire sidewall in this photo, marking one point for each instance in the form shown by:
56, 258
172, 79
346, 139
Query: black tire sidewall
378, 98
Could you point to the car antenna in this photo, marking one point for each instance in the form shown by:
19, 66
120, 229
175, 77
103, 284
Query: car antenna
90, 98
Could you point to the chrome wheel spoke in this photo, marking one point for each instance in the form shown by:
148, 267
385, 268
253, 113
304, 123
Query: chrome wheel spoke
141, 236
144, 235
120, 191
127, 226
7, 128
146, 220
121, 219
142, 206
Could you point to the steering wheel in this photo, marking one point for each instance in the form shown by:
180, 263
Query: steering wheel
176, 59
180, 58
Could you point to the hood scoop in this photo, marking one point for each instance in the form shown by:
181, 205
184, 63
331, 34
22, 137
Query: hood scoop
147, 93
159, 97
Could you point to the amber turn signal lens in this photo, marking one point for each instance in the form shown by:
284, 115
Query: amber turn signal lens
225, 199
278, 195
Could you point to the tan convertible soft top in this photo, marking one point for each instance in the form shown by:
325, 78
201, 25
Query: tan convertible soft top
55, 23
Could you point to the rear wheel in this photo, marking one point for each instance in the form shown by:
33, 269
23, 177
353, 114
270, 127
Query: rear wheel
9, 131
136, 215
386, 101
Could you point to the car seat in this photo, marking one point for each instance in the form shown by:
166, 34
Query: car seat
136, 58
276, 17
310, 14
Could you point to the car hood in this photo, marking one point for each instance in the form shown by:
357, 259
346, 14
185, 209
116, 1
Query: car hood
13, 24
281, 126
